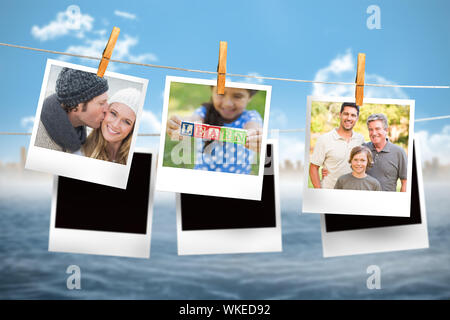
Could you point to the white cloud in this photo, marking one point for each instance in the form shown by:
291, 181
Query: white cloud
436, 145
343, 69
125, 15
149, 122
27, 122
65, 23
253, 80
122, 50
101, 32
73, 22
93, 48
291, 144
380, 92
144, 58
278, 119
291, 147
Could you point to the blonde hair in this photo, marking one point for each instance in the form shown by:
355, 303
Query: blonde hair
360, 149
95, 147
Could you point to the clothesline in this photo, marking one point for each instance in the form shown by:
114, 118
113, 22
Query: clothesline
228, 74
272, 130
215, 72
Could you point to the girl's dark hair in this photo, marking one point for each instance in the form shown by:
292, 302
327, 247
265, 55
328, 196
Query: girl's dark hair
214, 118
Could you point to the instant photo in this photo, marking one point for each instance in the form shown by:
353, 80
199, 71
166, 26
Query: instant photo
97, 219
213, 144
208, 225
355, 234
358, 158
86, 126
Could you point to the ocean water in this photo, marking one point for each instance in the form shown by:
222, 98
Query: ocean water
29, 271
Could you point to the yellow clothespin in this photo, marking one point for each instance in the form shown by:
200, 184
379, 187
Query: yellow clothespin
359, 89
108, 52
222, 67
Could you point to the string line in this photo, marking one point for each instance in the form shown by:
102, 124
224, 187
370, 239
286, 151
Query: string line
272, 130
215, 72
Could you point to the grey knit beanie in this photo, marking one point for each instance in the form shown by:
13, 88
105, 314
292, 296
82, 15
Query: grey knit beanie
76, 86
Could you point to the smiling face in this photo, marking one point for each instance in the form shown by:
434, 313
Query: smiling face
359, 162
118, 123
349, 117
232, 103
94, 111
377, 132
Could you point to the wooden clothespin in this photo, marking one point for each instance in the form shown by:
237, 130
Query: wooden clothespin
108, 52
359, 89
222, 67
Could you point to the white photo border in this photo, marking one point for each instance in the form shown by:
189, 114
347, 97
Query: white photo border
104, 242
331, 201
200, 182
248, 240
78, 166
383, 239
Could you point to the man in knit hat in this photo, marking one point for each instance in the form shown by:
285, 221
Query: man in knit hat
80, 100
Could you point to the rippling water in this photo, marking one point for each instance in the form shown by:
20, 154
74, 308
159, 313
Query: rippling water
29, 271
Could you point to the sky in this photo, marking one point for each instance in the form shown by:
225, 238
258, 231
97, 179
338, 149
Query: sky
309, 40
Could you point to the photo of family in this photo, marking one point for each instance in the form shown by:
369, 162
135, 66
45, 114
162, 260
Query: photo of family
347, 161
359, 148
82, 114
211, 133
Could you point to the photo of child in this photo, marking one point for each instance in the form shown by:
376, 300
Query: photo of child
210, 121
213, 144
360, 161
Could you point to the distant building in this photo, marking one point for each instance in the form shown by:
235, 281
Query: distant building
23, 157
299, 166
288, 165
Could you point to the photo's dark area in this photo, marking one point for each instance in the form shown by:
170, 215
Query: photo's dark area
210, 213
90, 206
342, 222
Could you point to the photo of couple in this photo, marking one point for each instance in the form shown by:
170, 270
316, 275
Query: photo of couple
350, 161
83, 100
85, 126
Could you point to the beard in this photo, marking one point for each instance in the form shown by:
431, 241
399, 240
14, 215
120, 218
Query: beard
347, 128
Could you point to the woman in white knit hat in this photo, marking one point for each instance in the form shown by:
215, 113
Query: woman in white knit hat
111, 142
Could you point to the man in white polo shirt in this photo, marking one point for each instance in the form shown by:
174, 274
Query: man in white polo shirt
333, 148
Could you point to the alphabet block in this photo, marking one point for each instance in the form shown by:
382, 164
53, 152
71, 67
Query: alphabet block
187, 128
200, 130
227, 135
213, 133
240, 136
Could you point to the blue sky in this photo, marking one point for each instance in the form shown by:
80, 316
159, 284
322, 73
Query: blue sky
291, 39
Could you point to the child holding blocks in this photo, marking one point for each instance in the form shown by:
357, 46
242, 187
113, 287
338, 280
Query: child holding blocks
227, 135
